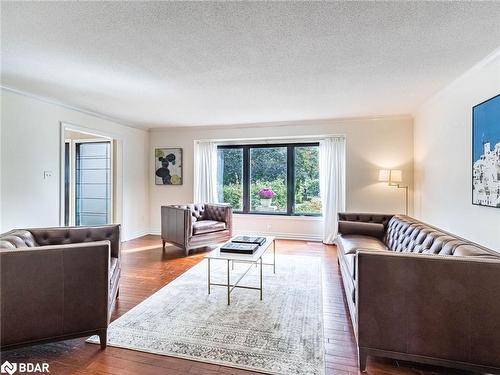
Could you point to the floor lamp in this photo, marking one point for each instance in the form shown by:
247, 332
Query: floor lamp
393, 177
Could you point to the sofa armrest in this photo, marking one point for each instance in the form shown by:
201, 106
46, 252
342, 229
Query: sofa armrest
429, 305
53, 291
220, 212
176, 225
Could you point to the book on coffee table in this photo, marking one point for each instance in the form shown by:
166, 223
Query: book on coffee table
249, 239
239, 248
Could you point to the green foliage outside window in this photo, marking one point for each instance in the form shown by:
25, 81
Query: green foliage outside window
307, 180
233, 194
268, 170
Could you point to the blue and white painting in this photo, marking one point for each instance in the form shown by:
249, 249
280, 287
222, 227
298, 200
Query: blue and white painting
486, 153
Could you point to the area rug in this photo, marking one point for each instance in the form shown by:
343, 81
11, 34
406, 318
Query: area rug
282, 334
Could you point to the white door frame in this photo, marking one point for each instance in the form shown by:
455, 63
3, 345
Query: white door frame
116, 168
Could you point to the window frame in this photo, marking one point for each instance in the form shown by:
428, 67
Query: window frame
290, 176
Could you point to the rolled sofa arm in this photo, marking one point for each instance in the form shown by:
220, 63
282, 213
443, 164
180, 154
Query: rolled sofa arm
367, 229
429, 306
52, 291
367, 224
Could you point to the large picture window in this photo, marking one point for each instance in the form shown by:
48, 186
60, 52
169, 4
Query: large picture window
281, 179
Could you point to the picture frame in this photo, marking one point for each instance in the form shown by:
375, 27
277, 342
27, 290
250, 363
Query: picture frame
486, 153
168, 166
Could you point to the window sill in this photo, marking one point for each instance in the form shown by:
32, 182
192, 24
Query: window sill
278, 216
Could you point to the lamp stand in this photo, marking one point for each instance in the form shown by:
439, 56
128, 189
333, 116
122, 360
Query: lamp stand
406, 195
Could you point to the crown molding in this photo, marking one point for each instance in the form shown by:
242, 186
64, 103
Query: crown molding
99, 115
483, 62
305, 122
323, 121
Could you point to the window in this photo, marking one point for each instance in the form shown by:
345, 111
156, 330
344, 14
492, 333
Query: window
268, 170
281, 179
230, 177
307, 200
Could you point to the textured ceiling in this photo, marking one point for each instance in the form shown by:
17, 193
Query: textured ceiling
156, 64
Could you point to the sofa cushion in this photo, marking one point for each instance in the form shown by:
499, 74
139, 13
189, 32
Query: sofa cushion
17, 238
468, 250
351, 243
208, 226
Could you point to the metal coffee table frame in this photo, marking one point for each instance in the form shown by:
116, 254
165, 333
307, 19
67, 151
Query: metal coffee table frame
253, 259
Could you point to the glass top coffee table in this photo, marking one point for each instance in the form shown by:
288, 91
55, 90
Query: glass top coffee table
252, 259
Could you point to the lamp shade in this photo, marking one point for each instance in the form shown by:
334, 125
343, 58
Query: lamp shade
396, 175
384, 175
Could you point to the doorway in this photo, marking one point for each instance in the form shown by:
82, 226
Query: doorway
89, 179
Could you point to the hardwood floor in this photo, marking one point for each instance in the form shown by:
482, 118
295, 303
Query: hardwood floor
147, 269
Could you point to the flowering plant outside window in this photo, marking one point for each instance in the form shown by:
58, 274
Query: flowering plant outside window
266, 193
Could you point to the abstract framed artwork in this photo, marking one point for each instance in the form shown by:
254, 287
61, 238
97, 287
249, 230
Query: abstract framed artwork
486, 153
168, 166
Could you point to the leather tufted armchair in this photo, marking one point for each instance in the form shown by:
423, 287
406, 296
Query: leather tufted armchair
192, 226
418, 293
58, 283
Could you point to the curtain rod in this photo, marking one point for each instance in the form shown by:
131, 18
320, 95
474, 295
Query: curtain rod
272, 139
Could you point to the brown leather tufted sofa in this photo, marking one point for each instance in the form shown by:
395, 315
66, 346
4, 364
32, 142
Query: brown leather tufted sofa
418, 293
58, 283
192, 226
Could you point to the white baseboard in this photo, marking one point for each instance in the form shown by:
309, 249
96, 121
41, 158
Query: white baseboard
279, 235
135, 235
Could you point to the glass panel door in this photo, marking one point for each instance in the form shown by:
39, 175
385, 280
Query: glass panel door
93, 183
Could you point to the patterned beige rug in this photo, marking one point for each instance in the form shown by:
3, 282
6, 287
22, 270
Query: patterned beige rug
283, 334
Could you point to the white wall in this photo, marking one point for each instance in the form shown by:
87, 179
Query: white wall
371, 144
30, 144
443, 157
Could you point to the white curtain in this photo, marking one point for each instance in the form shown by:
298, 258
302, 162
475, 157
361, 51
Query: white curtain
205, 172
332, 183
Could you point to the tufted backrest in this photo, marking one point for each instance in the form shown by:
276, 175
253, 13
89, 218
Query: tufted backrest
216, 212
69, 235
197, 210
405, 234
17, 238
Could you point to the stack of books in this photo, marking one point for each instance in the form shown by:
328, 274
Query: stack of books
243, 245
